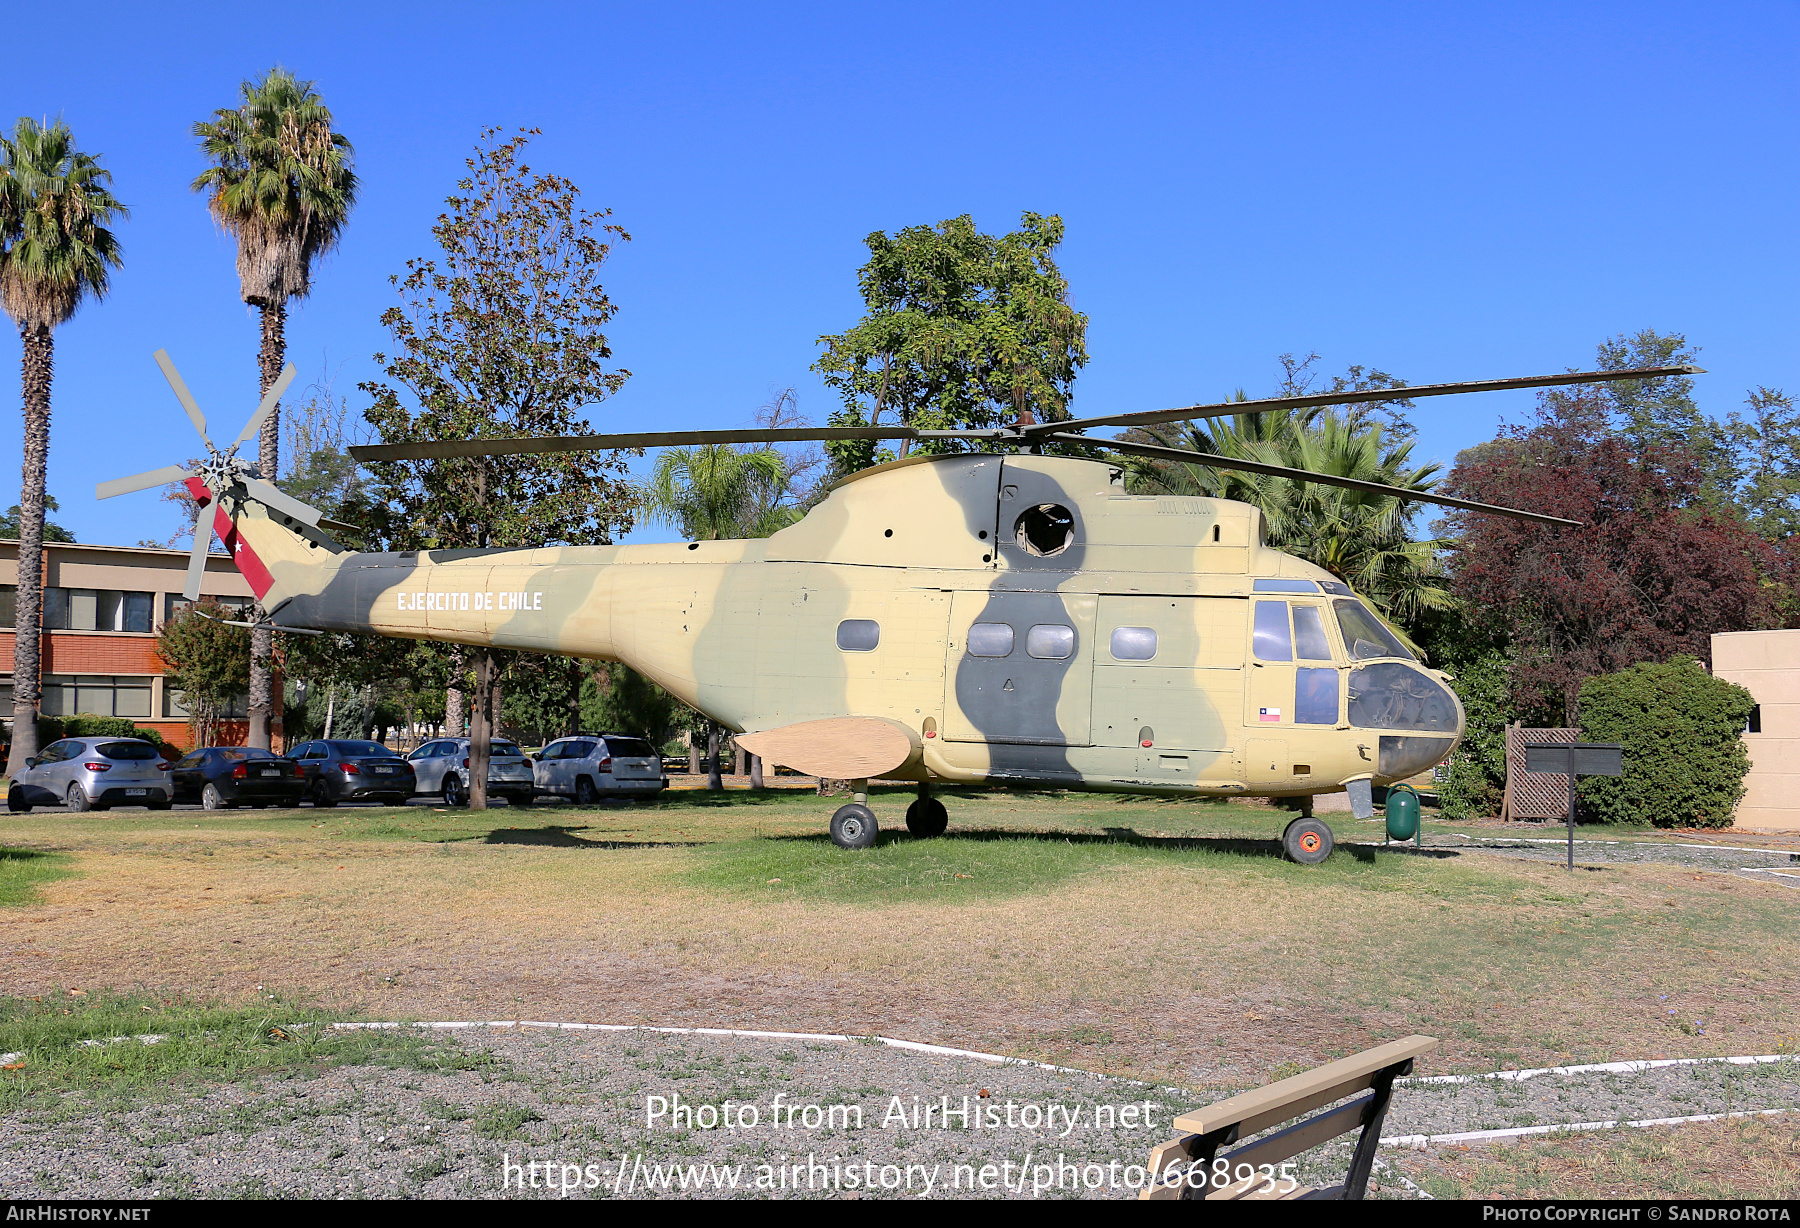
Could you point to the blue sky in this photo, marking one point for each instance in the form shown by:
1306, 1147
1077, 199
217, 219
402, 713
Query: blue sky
1443, 191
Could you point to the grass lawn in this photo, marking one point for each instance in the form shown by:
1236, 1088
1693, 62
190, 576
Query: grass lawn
1154, 938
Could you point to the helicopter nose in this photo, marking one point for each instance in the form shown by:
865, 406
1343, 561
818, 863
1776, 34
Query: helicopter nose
1423, 714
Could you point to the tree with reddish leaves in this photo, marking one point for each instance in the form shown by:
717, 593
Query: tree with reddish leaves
1654, 570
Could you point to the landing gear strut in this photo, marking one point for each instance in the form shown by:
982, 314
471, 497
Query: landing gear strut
854, 826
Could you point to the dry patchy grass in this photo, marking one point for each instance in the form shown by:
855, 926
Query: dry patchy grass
1746, 1157
1134, 936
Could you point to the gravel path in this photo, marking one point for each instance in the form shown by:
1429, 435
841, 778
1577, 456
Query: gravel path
1775, 865
523, 1108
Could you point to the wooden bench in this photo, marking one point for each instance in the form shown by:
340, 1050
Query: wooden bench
1190, 1167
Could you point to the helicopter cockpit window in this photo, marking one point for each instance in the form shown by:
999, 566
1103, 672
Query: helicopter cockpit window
990, 639
1048, 528
1336, 589
858, 634
1285, 586
1050, 642
1310, 643
1271, 634
1133, 643
1364, 635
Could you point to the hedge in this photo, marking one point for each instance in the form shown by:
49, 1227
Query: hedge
1685, 760
87, 725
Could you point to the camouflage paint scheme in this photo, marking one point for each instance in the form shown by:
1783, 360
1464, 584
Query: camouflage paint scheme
747, 631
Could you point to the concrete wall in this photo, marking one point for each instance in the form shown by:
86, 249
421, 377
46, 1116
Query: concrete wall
1767, 664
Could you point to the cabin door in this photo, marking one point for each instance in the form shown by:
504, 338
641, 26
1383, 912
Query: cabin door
1020, 668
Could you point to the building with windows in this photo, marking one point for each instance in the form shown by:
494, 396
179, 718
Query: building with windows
1767, 664
102, 608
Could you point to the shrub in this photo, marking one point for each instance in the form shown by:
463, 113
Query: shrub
87, 725
1684, 759
1477, 779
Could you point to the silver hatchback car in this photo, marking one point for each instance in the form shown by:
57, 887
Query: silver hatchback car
94, 774
442, 767
588, 767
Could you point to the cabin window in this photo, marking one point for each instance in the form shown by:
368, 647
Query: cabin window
1285, 586
1310, 643
990, 639
858, 634
1133, 643
1315, 696
1364, 634
1271, 634
1050, 642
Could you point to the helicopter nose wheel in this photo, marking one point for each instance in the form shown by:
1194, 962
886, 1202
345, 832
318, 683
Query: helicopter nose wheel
927, 817
1307, 841
854, 827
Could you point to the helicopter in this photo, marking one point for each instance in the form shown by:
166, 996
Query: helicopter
997, 617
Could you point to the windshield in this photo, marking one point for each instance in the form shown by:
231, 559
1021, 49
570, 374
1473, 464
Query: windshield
1364, 635
127, 750
358, 748
628, 747
499, 749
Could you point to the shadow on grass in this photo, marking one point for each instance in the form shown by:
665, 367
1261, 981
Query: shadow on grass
564, 838
1128, 837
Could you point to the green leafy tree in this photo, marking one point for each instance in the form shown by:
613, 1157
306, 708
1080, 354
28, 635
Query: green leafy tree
207, 661
500, 335
1364, 539
1766, 451
1685, 760
963, 330
281, 182
9, 524
55, 253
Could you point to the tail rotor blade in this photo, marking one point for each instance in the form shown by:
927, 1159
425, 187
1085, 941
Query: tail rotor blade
280, 501
143, 481
197, 556
182, 394
269, 401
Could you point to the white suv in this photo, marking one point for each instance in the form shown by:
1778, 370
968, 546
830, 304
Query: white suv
590, 766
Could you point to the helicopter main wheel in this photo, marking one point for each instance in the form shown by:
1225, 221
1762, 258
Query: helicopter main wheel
927, 817
1307, 841
854, 827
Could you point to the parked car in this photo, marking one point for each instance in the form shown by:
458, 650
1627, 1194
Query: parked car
347, 771
94, 774
220, 777
587, 767
442, 768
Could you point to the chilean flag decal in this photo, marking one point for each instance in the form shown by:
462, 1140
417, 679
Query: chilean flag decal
250, 566
1268, 714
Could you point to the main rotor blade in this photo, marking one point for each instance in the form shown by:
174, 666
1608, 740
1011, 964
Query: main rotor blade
1307, 475
444, 448
203, 534
1224, 409
269, 401
143, 481
280, 500
182, 394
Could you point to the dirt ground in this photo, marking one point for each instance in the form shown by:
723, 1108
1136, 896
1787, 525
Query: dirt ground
1196, 957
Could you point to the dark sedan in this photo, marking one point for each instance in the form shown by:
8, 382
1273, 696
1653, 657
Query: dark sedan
346, 771
222, 777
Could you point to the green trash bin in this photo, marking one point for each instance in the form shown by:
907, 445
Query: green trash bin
1403, 813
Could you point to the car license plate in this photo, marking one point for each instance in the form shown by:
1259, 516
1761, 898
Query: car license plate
137, 793
270, 772
383, 771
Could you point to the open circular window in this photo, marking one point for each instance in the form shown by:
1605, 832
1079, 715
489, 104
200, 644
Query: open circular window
1048, 528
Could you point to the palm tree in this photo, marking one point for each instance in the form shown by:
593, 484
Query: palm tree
55, 251
282, 184
715, 491
1364, 539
